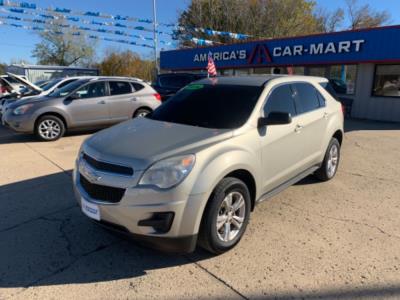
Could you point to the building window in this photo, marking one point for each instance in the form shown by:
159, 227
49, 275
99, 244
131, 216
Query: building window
387, 81
226, 72
242, 71
265, 70
343, 78
316, 71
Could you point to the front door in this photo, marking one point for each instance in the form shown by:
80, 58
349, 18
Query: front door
280, 143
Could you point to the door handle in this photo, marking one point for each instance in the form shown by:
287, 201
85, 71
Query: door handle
326, 115
134, 99
101, 102
298, 128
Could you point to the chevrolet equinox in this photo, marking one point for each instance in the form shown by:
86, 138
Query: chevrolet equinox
193, 170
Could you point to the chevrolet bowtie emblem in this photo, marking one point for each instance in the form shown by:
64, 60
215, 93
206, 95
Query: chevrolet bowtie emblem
90, 174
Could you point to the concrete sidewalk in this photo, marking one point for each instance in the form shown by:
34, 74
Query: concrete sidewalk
334, 240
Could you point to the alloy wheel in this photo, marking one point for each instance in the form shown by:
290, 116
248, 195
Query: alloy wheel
49, 129
231, 216
332, 160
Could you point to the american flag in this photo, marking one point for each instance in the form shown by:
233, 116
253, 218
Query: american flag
211, 69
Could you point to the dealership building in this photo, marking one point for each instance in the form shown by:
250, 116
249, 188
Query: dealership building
362, 65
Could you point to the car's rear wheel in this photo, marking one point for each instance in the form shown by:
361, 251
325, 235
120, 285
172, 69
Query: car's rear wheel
141, 112
49, 128
226, 216
330, 164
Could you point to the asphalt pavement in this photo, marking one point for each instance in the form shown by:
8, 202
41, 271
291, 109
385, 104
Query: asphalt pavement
333, 240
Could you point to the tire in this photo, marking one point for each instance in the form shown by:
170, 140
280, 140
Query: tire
325, 172
141, 112
57, 128
212, 239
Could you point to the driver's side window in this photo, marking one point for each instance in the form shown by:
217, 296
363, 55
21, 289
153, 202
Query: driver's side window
281, 100
92, 90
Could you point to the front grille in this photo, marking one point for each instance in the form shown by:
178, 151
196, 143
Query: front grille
101, 192
107, 167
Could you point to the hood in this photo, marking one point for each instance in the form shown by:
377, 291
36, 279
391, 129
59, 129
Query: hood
141, 141
25, 82
13, 103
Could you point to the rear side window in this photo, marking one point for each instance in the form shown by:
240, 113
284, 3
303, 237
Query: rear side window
329, 88
280, 100
306, 97
137, 86
321, 99
120, 88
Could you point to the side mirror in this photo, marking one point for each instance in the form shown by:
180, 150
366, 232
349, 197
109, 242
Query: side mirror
74, 96
275, 118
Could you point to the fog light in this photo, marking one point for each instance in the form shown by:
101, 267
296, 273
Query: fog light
160, 221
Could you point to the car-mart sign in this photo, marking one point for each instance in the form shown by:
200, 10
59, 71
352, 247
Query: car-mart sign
378, 44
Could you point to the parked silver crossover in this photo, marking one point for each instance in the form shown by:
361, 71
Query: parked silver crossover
82, 104
194, 169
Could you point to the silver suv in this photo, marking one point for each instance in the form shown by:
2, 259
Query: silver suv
193, 170
83, 104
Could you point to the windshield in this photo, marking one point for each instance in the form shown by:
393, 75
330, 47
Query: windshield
211, 106
64, 91
50, 84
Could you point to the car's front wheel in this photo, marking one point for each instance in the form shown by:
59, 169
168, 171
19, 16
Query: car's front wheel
226, 216
49, 128
330, 164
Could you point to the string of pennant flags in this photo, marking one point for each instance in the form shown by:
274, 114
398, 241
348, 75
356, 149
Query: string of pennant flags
57, 12
82, 28
41, 19
97, 30
76, 33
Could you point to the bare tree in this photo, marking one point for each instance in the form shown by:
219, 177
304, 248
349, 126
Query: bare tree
363, 16
62, 46
330, 20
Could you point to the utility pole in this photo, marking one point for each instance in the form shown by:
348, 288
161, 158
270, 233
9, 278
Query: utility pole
155, 37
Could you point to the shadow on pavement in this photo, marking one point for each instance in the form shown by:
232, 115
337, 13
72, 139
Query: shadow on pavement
7, 136
46, 240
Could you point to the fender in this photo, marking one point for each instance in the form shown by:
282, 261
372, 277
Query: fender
207, 179
334, 120
55, 110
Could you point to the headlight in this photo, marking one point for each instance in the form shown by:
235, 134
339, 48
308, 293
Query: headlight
168, 172
20, 110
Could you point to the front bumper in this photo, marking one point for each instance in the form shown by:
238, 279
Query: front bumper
23, 123
184, 244
138, 204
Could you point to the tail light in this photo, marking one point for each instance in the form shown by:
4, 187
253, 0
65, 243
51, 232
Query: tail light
3, 89
157, 96
343, 110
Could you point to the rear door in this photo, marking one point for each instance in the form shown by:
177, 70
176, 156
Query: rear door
311, 123
122, 101
90, 109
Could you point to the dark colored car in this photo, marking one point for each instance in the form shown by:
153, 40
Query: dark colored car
168, 84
